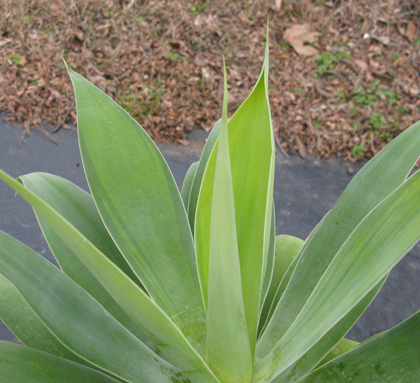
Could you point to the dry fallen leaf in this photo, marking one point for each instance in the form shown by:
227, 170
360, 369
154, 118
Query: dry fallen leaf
183, 142
297, 35
410, 32
129, 54
78, 33
300, 147
385, 40
363, 66
277, 5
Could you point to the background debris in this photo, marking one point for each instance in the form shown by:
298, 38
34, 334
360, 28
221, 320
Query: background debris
298, 36
162, 61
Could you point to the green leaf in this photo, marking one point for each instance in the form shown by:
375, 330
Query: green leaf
252, 152
141, 207
186, 186
131, 298
203, 223
382, 174
76, 319
18, 316
332, 342
284, 282
287, 248
269, 268
341, 348
393, 356
251, 147
228, 345
198, 178
375, 246
20, 364
77, 206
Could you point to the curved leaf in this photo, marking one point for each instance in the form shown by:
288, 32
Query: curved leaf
378, 178
140, 205
77, 206
287, 248
198, 177
332, 343
19, 317
76, 319
187, 184
392, 356
131, 298
20, 364
375, 246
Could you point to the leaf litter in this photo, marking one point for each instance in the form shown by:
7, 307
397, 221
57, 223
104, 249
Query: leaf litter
344, 75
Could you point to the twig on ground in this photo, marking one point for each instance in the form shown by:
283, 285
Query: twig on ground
63, 121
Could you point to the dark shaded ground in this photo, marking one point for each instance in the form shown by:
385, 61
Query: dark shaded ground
305, 189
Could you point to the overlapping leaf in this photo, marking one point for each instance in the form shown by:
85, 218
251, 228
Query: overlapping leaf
18, 316
270, 260
130, 297
383, 174
374, 247
77, 320
331, 342
187, 184
137, 231
21, 364
228, 345
139, 202
199, 174
287, 248
77, 206
251, 149
392, 356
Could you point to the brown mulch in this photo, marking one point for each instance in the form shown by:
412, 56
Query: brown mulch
162, 61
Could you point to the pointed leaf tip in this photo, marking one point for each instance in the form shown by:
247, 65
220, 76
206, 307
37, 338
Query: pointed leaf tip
225, 95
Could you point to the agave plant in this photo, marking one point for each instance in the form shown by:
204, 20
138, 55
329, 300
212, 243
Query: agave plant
160, 286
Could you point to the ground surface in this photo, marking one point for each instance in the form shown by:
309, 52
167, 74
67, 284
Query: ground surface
305, 190
345, 84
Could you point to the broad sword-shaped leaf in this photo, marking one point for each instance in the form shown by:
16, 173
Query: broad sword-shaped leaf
77, 206
77, 320
199, 174
377, 179
140, 204
393, 356
228, 345
251, 148
129, 296
19, 317
21, 364
384, 236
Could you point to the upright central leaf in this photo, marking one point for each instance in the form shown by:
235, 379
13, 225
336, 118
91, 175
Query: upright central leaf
141, 207
228, 346
251, 149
